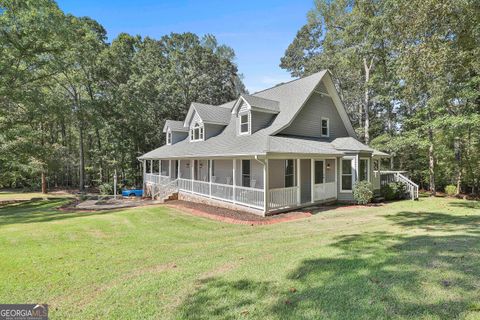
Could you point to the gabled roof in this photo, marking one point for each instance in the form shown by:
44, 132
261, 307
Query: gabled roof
174, 126
208, 113
289, 98
257, 103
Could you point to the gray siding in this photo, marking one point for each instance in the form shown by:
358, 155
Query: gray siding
222, 170
260, 120
211, 130
178, 136
276, 174
330, 172
305, 180
308, 121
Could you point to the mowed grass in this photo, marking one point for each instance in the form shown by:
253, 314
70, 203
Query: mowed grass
404, 260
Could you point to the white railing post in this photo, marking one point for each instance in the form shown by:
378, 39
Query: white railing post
192, 173
210, 177
312, 178
299, 196
266, 186
234, 171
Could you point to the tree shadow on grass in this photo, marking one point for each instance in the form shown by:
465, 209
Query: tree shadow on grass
471, 204
219, 298
374, 275
380, 276
34, 211
435, 221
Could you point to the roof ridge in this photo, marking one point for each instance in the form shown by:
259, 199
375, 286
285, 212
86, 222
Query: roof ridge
290, 81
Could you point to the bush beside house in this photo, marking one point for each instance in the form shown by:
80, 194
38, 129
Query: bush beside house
362, 192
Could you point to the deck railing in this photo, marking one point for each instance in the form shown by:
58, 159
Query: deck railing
251, 197
283, 197
387, 177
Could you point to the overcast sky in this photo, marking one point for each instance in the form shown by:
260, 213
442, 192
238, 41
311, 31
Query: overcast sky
259, 31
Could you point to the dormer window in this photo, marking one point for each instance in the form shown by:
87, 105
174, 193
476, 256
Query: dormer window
169, 137
244, 123
196, 133
325, 127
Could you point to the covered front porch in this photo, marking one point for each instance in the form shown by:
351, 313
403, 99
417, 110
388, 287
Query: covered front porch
266, 185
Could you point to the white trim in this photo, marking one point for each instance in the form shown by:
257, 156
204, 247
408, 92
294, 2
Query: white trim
201, 132
328, 127
352, 162
169, 137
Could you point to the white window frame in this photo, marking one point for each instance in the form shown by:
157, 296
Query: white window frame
368, 168
352, 162
201, 132
249, 123
328, 127
249, 173
169, 137
294, 174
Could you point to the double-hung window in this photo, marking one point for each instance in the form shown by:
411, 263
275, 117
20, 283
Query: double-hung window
244, 123
169, 137
319, 167
347, 175
289, 173
325, 127
246, 173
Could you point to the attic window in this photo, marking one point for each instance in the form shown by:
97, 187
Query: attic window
169, 137
196, 133
244, 124
325, 127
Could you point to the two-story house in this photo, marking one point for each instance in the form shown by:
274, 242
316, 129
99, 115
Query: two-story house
289, 146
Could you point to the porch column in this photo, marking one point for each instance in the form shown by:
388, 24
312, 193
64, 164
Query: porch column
210, 177
151, 166
234, 178
192, 172
159, 167
178, 168
299, 199
144, 165
170, 168
266, 187
312, 179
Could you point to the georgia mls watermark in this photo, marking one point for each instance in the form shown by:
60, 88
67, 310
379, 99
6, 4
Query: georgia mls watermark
23, 312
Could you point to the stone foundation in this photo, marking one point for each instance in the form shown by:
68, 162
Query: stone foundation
217, 203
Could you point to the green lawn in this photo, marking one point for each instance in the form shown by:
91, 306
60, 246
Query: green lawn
403, 260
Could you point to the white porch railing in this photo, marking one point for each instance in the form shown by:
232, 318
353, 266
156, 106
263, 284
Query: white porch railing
283, 197
156, 178
412, 187
251, 197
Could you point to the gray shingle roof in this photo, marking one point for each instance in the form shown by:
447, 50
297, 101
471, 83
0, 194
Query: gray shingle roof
289, 98
262, 103
174, 126
212, 114
350, 144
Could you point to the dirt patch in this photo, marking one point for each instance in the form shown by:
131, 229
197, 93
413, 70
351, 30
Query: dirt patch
233, 216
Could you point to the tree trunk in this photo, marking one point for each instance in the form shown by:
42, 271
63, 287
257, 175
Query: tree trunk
431, 163
367, 100
44, 182
82, 159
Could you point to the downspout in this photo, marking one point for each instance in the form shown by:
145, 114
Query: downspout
266, 188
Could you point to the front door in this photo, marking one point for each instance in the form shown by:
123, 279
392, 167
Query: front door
318, 180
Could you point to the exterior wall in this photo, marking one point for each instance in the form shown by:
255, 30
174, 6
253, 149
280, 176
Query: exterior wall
185, 172
222, 170
260, 120
330, 173
305, 180
165, 167
346, 196
178, 136
276, 173
308, 121
213, 202
256, 172
202, 173
211, 130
